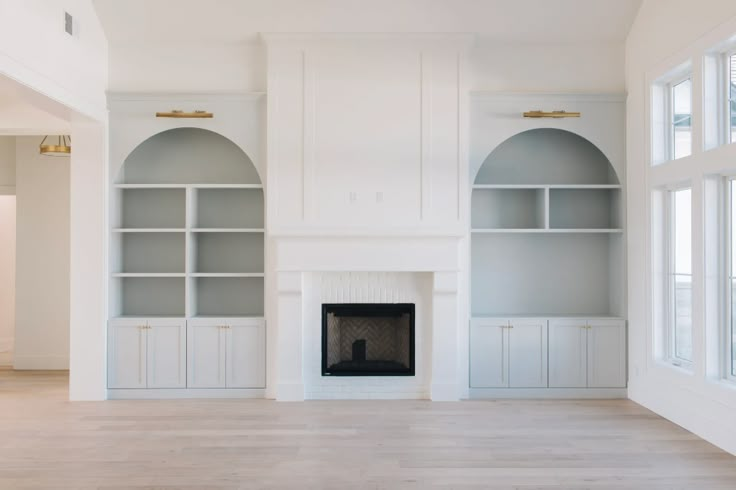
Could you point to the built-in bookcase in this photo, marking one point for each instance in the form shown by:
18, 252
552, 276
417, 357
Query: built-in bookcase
188, 229
547, 229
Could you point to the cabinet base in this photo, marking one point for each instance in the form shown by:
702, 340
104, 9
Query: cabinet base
183, 393
547, 393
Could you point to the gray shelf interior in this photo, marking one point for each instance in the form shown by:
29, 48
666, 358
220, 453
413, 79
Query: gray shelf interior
544, 274
584, 208
188, 156
508, 208
546, 156
229, 208
152, 296
153, 252
228, 252
229, 296
152, 208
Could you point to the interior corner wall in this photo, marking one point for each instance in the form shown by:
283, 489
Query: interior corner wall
664, 29
42, 262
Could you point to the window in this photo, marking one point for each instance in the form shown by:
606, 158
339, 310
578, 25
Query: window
732, 96
679, 278
730, 330
681, 118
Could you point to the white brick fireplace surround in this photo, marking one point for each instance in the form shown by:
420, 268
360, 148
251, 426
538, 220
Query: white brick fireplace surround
417, 270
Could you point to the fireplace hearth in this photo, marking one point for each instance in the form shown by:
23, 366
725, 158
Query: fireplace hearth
368, 339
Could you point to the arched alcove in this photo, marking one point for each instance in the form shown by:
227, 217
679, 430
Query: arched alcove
188, 229
546, 156
547, 223
188, 156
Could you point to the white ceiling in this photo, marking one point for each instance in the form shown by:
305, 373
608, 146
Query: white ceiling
513, 21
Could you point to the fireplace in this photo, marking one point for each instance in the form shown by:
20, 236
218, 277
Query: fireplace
368, 339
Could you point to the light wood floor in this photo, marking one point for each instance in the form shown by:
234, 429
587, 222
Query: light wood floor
47, 442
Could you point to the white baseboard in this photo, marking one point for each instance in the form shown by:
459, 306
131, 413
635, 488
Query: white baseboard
6, 359
183, 393
290, 392
41, 363
547, 393
444, 392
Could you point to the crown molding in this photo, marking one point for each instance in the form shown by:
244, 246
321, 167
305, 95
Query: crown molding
459, 40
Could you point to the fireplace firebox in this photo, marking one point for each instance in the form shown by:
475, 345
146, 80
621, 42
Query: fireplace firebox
368, 339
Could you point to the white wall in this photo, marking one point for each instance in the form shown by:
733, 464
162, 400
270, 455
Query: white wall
7, 165
7, 279
7, 249
35, 50
497, 67
665, 34
550, 68
42, 268
182, 67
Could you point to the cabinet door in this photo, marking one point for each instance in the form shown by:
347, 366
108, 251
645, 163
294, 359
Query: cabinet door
567, 354
488, 353
246, 353
126, 354
167, 345
527, 353
206, 351
607, 354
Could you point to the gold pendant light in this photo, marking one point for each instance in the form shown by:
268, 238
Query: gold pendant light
62, 148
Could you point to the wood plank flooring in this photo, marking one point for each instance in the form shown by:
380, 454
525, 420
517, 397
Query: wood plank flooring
48, 442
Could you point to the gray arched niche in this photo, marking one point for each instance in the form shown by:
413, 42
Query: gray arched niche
546, 156
188, 156
200, 198
546, 223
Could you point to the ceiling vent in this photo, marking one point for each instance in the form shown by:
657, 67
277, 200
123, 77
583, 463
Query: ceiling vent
68, 23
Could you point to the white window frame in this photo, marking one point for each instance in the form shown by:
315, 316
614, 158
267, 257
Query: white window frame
726, 91
726, 340
669, 316
669, 137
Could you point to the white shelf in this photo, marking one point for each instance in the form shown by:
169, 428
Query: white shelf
226, 186
545, 186
228, 230
509, 230
149, 230
149, 274
585, 230
556, 316
150, 186
188, 186
227, 274
546, 230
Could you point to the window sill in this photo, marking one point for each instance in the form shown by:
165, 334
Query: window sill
677, 366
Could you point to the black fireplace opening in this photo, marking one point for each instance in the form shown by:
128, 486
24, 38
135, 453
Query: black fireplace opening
368, 339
